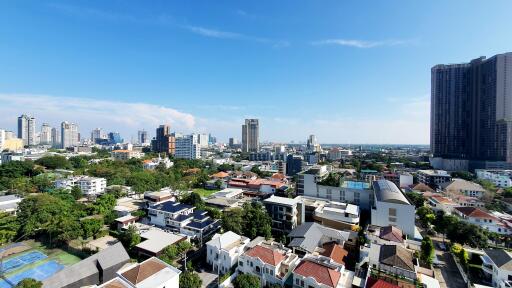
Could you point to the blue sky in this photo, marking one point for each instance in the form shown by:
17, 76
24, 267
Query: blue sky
347, 71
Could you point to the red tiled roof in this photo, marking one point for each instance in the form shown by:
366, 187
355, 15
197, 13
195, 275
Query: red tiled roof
374, 283
322, 274
266, 255
278, 176
475, 213
335, 252
220, 174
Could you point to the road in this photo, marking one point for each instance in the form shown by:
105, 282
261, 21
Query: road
448, 274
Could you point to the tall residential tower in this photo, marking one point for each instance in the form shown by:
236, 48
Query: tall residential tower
471, 114
27, 129
251, 136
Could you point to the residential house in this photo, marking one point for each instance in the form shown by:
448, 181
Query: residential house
310, 237
463, 187
153, 273
125, 221
223, 250
154, 241
500, 178
183, 218
9, 204
497, 264
393, 259
321, 272
483, 219
270, 261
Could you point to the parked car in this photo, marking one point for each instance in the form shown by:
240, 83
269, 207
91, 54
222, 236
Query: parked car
441, 246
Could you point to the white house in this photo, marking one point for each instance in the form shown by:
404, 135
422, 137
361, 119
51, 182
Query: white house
152, 273
88, 185
9, 203
483, 219
270, 261
497, 264
392, 208
223, 250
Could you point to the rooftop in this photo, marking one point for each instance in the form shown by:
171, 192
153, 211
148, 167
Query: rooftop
266, 254
281, 200
387, 191
321, 273
355, 185
171, 207
157, 240
152, 271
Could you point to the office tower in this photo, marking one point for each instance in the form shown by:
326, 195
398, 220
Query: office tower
46, 134
56, 137
212, 139
231, 142
97, 133
187, 147
164, 142
114, 138
142, 137
27, 129
251, 136
471, 114
69, 135
312, 144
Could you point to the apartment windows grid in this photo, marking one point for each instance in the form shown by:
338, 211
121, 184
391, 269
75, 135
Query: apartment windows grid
342, 195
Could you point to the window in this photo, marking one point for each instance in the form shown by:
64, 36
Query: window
342, 195
392, 211
297, 281
302, 283
392, 219
241, 263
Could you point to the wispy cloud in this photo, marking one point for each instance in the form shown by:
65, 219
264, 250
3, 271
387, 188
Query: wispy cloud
220, 34
364, 43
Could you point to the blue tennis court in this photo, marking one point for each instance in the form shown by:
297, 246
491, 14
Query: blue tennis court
39, 273
22, 260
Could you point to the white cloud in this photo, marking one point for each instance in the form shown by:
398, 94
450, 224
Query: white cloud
126, 117
363, 43
219, 34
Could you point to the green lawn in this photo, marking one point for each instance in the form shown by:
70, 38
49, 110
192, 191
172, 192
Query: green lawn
205, 192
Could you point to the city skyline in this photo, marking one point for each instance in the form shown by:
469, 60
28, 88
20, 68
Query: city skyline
358, 77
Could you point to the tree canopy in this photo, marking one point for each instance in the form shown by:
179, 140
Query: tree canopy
247, 281
251, 220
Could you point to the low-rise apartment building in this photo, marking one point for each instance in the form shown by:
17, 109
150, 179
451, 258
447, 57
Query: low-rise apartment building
286, 213
123, 155
500, 178
433, 178
223, 251
392, 208
89, 186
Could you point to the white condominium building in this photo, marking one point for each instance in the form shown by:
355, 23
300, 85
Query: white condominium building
88, 185
188, 147
500, 178
69, 135
223, 250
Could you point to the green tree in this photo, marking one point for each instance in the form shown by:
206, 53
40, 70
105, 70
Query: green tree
426, 216
76, 192
193, 199
8, 227
129, 237
175, 251
427, 251
91, 227
232, 220
190, 279
29, 283
247, 281
54, 162
461, 254
416, 198
256, 221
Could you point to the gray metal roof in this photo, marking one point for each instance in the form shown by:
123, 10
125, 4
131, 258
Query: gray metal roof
308, 236
500, 257
386, 191
111, 256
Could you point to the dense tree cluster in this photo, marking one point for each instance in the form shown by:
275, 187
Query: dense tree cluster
247, 281
251, 220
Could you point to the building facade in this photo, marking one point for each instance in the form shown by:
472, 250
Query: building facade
187, 147
27, 130
164, 142
251, 136
69, 135
471, 121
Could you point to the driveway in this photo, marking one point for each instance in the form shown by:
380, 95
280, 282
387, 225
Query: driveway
209, 279
448, 275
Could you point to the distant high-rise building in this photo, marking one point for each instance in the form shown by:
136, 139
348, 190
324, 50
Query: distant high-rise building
203, 140
232, 142
27, 129
471, 114
251, 136
142, 137
69, 135
187, 147
97, 133
164, 142
2, 139
56, 137
312, 144
212, 139
293, 164
115, 138
46, 134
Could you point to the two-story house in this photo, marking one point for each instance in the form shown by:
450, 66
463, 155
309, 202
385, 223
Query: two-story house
483, 219
497, 264
223, 250
270, 261
321, 272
